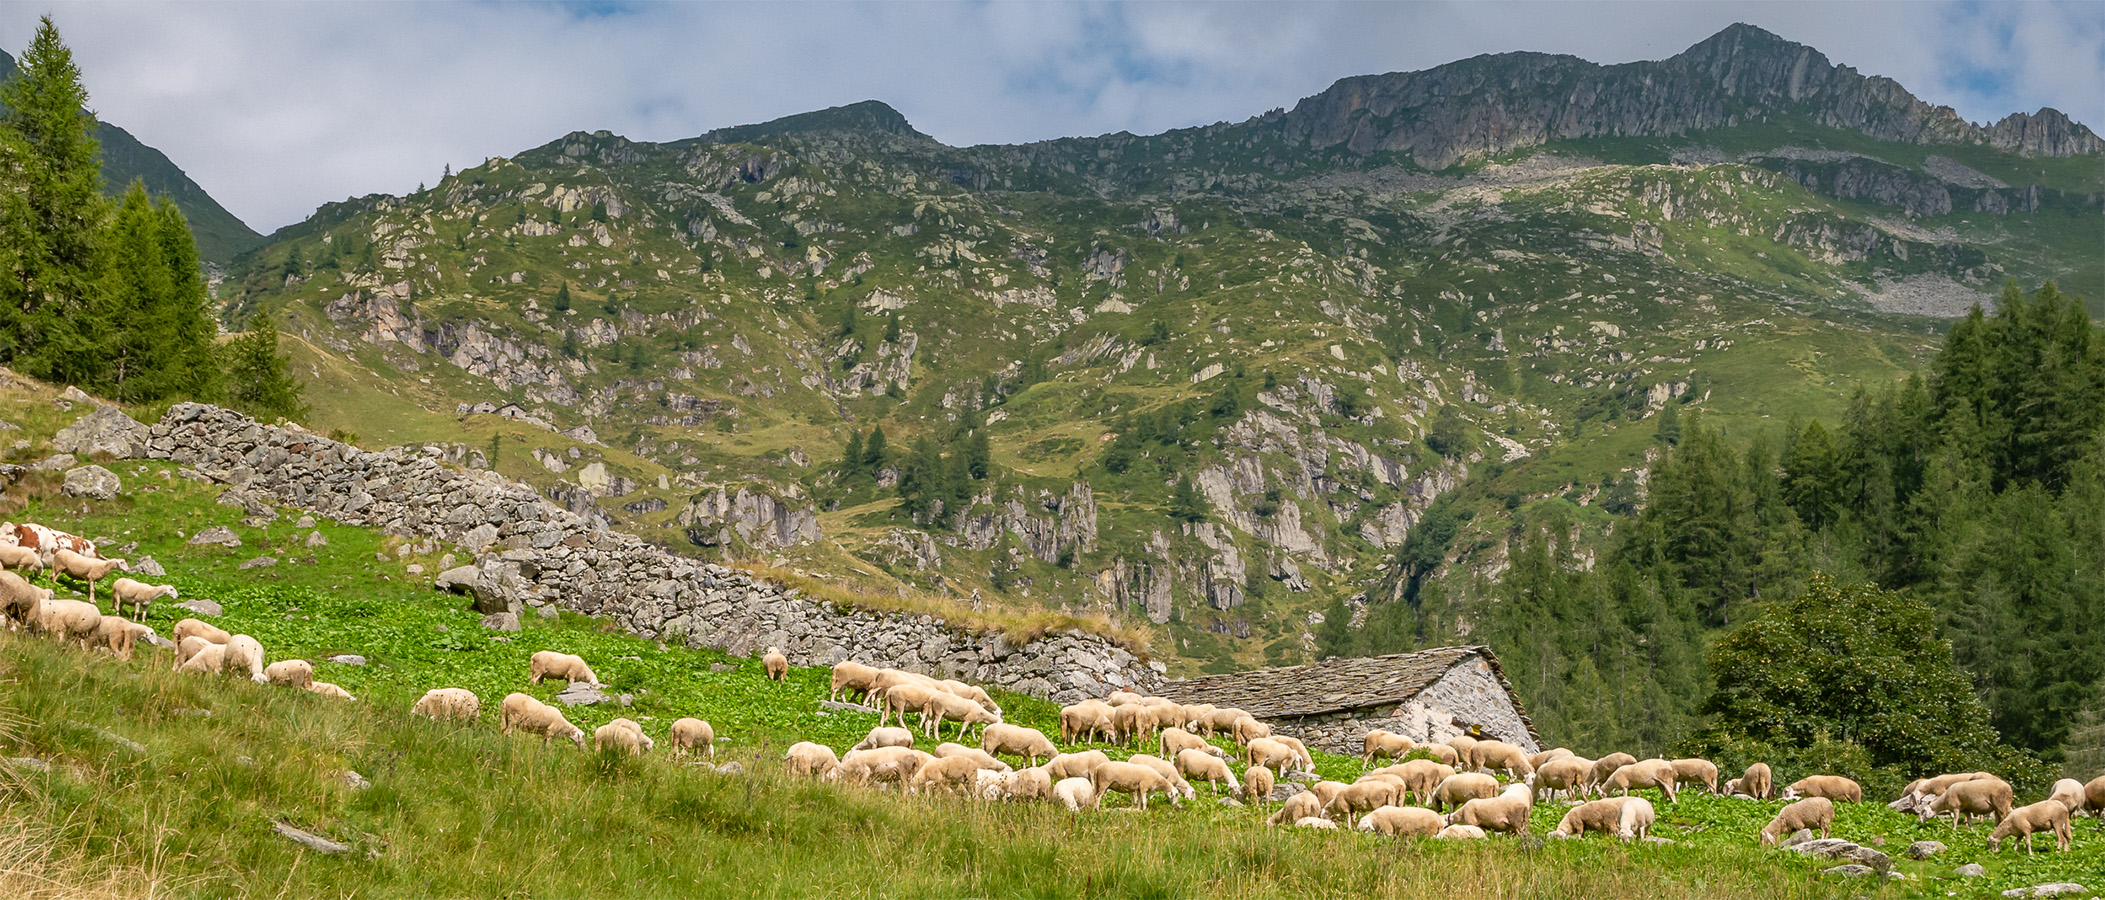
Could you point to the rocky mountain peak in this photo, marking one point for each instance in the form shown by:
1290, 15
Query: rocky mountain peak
866, 117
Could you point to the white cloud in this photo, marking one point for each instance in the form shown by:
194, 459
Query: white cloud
276, 108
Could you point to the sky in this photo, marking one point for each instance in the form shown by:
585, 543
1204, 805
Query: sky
276, 108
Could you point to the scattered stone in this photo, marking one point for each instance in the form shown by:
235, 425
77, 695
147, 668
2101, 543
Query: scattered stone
149, 567
160, 642
580, 693
92, 482
355, 781
1798, 837
27, 762
731, 768
414, 569
1925, 849
260, 562
59, 463
1836, 848
2050, 889
1231, 801
314, 842
1850, 870
846, 707
202, 607
1970, 870
722, 667
501, 621
630, 700
74, 394
546, 612
261, 517
347, 659
304, 522
217, 534
316, 539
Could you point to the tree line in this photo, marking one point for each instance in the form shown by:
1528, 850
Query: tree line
108, 294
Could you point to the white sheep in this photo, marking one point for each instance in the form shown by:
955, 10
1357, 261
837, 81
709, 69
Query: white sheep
297, 673
1464, 748
1089, 719
121, 635
1508, 812
1029, 743
1121, 698
1499, 756
1247, 729
2094, 795
980, 758
244, 654
1966, 800
1308, 760
2069, 792
1463, 787
138, 594
1296, 808
1653, 773
1133, 722
1422, 776
520, 712
68, 620
1537, 759
885, 737
1257, 785
1812, 812
205, 656
1178, 786
1177, 740
1269, 753
971, 692
1317, 822
1606, 766
188, 648
1755, 782
949, 707
1222, 719
1033, 783
19, 600
2024, 821
1326, 791
1076, 765
1461, 833
1076, 794
1568, 775
621, 735
1365, 795
954, 773
776, 664
1133, 779
691, 734
1696, 771
1833, 787
882, 764
901, 697
85, 568
1195, 763
449, 703
550, 664
195, 628
1398, 821
849, 677
1440, 753
1629, 818
329, 690
1383, 744
20, 558
810, 760
1921, 790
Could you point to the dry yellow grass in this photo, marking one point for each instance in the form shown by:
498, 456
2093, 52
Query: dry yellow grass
1018, 627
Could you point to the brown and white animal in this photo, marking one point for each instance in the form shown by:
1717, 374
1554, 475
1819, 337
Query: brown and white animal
2024, 821
45, 541
121, 635
1989, 798
1817, 813
776, 664
138, 594
1508, 812
458, 704
691, 734
550, 664
1833, 787
520, 712
86, 568
1652, 773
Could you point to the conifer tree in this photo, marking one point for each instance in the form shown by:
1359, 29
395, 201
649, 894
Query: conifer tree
875, 454
851, 455
258, 379
52, 220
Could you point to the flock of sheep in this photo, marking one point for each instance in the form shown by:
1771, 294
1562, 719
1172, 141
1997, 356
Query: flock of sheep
1451, 789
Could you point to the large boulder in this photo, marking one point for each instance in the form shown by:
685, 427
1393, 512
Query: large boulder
106, 430
92, 482
495, 586
217, 534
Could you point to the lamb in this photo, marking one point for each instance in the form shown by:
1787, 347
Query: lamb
1755, 782
85, 568
1379, 743
19, 599
1270, 754
1461, 833
1398, 821
1507, 813
1606, 766
1076, 794
121, 636
193, 627
1463, 787
1178, 786
2069, 792
449, 703
1966, 800
1570, 775
948, 707
1132, 722
885, 737
1833, 787
1033, 783
206, 657
329, 690
851, 676
776, 664
692, 734
1629, 818
297, 673
957, 773
622, 735
1177, 740
1087, 719
1076, 765
2024, 821
137, 593
1499, 756
1694, 771
1654, 772
1297, 807
1195, 763
1817, 813
809, 759
69, 620
550, 664
1538, 759
1424, 776
23, 558
1257, 785
1029, 743
520, 712
1362, 796
244, 653
1134, 779
979, 757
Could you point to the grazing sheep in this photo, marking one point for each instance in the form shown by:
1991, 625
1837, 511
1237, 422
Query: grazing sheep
1538, 759
776, 664
2094, 795
1922, 788
810, 760
297, 673
1755, 782
520, 712
329, 690
899, 698
85, 568
622, 735
138, 594
1076, 794
1132, 779
1638, 817
1569, 775
1817, 813
1499, 756
887, 679
1399, 821
1029, 743
1363, 796
1653, 773
882, 764
1247, 729
1833, 787
1440, 753
1694, 771
692, 734
1308, 762
1982, 797
1423, 776
121, 636
1461, 833
1297, 807
19, 600
188, 648
69, 620
2069, 792
1089, 719
1177, 740
973, 693
1316, 822
1606, 766
1327, 791
885, 737
1133, 722
1463, 745
193, 627
1122, 698
1385, 745
21, 558
449, 703
851, 676
1178, 786
550, 664
1506, 813
1257, 785
1270, 754
207, 657
1605, 816
245, 653
1196, 713
1222, 719
955, 773
1195, 763
1076, 765
947, 707
1463, 787
979, 757
1032, 783
2024, 821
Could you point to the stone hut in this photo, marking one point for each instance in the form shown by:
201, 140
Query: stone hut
1430, 695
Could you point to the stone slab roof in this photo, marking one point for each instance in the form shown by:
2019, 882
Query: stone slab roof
1333, 685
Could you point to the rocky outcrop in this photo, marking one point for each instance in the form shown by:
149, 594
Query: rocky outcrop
752, 518
561, 560
1049, 526
104, 430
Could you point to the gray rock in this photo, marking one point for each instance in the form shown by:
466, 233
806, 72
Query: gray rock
304, 522
312, 841
59, 463
92, 482
317, 539
1925, 849
1970, 870
2050, 889
1836, 848
105, 430
722, 667
493, 589
147, 565
355, 781
1798, 837
260, 562
846, 707
160, 642
1231, 802
202, 607
347, 659
731, 768
26, 762
501, 621
546, 612
219, 535
1658, 841
73, 394
1850, 870
579, 693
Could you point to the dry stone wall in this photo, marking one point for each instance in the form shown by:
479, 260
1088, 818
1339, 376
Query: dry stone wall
531, 552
